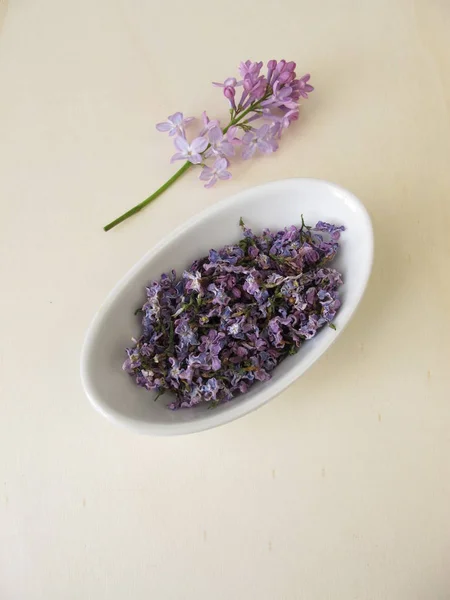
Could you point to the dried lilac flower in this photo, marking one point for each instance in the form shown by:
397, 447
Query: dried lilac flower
237, 313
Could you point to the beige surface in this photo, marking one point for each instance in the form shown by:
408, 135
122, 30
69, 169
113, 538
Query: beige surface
340, 488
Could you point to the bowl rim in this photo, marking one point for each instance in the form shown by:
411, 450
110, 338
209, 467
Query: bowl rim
237, 409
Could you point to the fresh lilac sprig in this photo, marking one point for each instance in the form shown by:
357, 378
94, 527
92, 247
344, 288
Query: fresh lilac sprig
271, 97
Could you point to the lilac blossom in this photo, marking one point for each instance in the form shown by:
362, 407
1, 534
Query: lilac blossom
270, 95
303, 87
262, 139
219, 145
191, 152
175, 124
217, 171
208, 123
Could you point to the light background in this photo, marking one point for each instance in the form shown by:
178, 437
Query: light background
340, 488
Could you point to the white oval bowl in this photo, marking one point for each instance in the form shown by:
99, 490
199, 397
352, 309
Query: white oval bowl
275, 205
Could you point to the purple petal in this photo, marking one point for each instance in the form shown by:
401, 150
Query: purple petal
211, 182
181, 143
206, 173
215, 135
195, 159
220, 164
199, 144
176, 118
164, 126
248, 152
177, 156
264, 147
224, 175
227, 148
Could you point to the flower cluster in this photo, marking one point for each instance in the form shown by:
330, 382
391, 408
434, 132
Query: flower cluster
272, 98
235, 314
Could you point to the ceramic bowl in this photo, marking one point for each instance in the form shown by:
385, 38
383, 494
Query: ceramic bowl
275, 205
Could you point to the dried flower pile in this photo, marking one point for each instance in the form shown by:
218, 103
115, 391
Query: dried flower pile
236, 314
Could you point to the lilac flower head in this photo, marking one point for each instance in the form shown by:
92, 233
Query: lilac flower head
175, 124
191, 152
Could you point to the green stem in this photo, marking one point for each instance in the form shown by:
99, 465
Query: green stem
179, 173
158, 192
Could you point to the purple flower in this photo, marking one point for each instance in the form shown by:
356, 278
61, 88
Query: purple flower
303, 87
208, 123
192, 281
282, 72
259, 373
199, 361
219, 295
217, 171
333, 230
251, 285
231, 136
254, 88
175, 124
275, 333
284, 120
281, 96
229, 82
191, 152
209, 390
330, 303
229, 89
309, 253
219, 144
212, 345
261, 139
185, 332
309, 329
250, 68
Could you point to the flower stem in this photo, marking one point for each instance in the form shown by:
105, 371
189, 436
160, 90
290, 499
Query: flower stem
144, 203
180, 172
